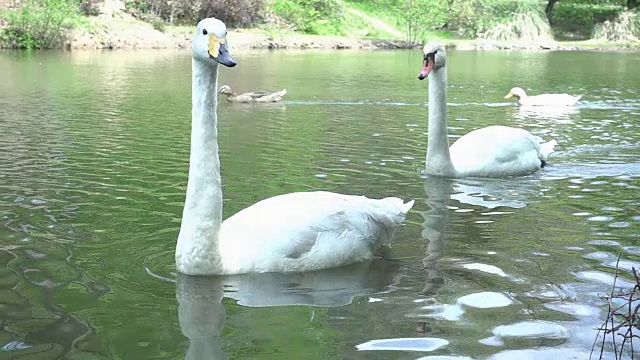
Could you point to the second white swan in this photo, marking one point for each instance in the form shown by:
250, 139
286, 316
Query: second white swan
548, 100
293, 232
494, 151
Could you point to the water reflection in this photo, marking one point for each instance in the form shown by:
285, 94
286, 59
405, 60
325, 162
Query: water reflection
250, 108
90, 168
436, 219
329, 288
202, 315
563, 114
514, 193
33, 322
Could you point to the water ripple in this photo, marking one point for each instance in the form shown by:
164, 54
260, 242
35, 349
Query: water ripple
94, 160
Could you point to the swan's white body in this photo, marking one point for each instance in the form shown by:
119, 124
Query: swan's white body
498, 151
543, 99
292, 232
299, 231
494, 151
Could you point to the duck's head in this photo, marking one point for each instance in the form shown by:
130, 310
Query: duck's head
225, 89
209, 43
435, 57
516, 92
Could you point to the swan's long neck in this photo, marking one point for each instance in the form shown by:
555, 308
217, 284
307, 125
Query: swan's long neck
197, 248
438, 157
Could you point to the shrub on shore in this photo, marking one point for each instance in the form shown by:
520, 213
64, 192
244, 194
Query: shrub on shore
40, 24
319, 17
235, 13
626, 27
529, 27
306, 16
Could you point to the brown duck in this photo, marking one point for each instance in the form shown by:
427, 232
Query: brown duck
251, 97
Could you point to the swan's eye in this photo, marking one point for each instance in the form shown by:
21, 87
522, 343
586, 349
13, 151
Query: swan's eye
204, 32
431, 55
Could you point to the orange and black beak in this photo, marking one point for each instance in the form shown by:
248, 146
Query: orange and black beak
429, 63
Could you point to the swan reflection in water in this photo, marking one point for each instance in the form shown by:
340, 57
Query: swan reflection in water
201, 313
558, 114
443, 196
514, 193
436, 219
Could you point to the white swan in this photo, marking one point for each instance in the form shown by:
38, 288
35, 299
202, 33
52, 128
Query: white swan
542, 99
292, 232
494, 151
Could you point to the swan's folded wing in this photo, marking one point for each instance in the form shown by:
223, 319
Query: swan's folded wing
332, 230
496, 150
302, 229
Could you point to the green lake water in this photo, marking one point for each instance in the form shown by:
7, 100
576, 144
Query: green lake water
93, 170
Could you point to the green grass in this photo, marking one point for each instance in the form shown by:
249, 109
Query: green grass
375, 12
389, 18
440, 34
355, 26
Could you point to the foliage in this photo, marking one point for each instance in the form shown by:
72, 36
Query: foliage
502, 19
419, 17
378, 9
530, 27
580, 19
158, 24
89, 7
473, 18
311, 16
355, 26
40, 24
47, 23
625, 27
235, 13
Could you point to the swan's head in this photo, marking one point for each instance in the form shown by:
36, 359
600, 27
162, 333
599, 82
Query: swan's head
225, 89
517, 92
434, 58
209, 43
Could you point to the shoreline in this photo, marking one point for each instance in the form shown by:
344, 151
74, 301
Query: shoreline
118, 30
124, 32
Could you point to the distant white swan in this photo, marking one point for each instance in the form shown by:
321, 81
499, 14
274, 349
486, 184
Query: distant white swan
292, 232
542, 99
494, 151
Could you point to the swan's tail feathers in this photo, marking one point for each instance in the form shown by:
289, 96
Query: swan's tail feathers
282, 93
408, 205
578, 97
398, 206
546, 149
382, 220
